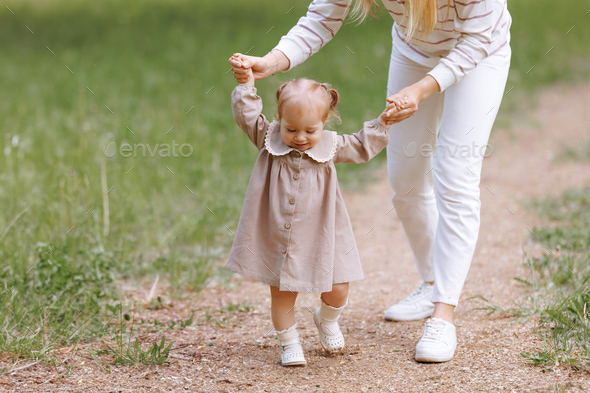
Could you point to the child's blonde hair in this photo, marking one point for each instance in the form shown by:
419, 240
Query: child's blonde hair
299, 96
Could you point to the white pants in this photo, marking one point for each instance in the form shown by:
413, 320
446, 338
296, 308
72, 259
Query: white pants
443, 226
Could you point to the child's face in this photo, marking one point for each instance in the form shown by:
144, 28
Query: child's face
301, 132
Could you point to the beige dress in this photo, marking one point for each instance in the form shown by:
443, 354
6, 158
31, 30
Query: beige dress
294, 232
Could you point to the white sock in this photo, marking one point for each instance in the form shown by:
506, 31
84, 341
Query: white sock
287, 336
329, 318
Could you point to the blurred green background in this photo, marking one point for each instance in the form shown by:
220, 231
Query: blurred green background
76, 76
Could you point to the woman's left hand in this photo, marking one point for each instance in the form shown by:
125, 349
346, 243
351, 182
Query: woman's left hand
404, 104
401, 105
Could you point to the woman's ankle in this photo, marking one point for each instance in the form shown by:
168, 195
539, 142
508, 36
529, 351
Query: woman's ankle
443, 311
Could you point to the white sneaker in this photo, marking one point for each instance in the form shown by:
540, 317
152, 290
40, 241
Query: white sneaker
438, 343
414, 307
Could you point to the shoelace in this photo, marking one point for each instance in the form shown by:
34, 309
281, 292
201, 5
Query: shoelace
434, 330
416, 293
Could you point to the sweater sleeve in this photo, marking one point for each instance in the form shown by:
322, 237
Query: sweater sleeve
475, 21
247, 110
313, 31
362, 146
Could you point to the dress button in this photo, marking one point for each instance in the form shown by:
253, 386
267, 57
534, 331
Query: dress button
283, 250
292, 201
288, 225
297, 154
296, 176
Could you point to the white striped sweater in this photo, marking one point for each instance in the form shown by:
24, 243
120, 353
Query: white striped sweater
468, 31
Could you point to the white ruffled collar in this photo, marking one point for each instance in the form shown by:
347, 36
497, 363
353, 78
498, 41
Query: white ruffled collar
324, 151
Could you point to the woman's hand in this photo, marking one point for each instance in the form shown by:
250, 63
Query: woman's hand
245, 76
262, 67
401, 105
405, 103
243, 65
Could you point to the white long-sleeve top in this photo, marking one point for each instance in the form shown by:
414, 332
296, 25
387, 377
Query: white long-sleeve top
468, 31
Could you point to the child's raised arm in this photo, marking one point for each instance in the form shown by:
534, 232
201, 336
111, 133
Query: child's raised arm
362, 146
247, 105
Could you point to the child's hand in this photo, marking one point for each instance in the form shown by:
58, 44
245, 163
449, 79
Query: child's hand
394, 106
242, 69
383, 120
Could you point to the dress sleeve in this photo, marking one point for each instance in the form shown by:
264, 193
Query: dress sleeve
362, 146
313, 31
475, 22
247, 110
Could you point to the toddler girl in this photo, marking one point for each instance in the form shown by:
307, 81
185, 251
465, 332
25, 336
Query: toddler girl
294, 232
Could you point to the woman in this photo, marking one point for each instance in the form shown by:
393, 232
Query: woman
449, 63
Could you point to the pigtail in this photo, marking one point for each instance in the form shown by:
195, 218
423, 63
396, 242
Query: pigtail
280, 90
334, 98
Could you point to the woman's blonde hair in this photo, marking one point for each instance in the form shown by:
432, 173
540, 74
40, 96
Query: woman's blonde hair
299, 96
421, 16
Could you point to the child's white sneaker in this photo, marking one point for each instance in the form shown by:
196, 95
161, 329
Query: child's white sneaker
438, 343
326, 320
291, 350
414, 307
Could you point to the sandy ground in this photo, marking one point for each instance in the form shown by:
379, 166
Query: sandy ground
379, 356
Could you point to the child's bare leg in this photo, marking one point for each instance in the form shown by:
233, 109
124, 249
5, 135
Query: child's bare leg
283, 319
282, 308
337, 297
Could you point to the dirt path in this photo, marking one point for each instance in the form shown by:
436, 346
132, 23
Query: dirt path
379, 356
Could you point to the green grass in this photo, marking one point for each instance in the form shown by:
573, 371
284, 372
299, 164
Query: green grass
545, 50
558, 288
75, 224
127, 354
552, 38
